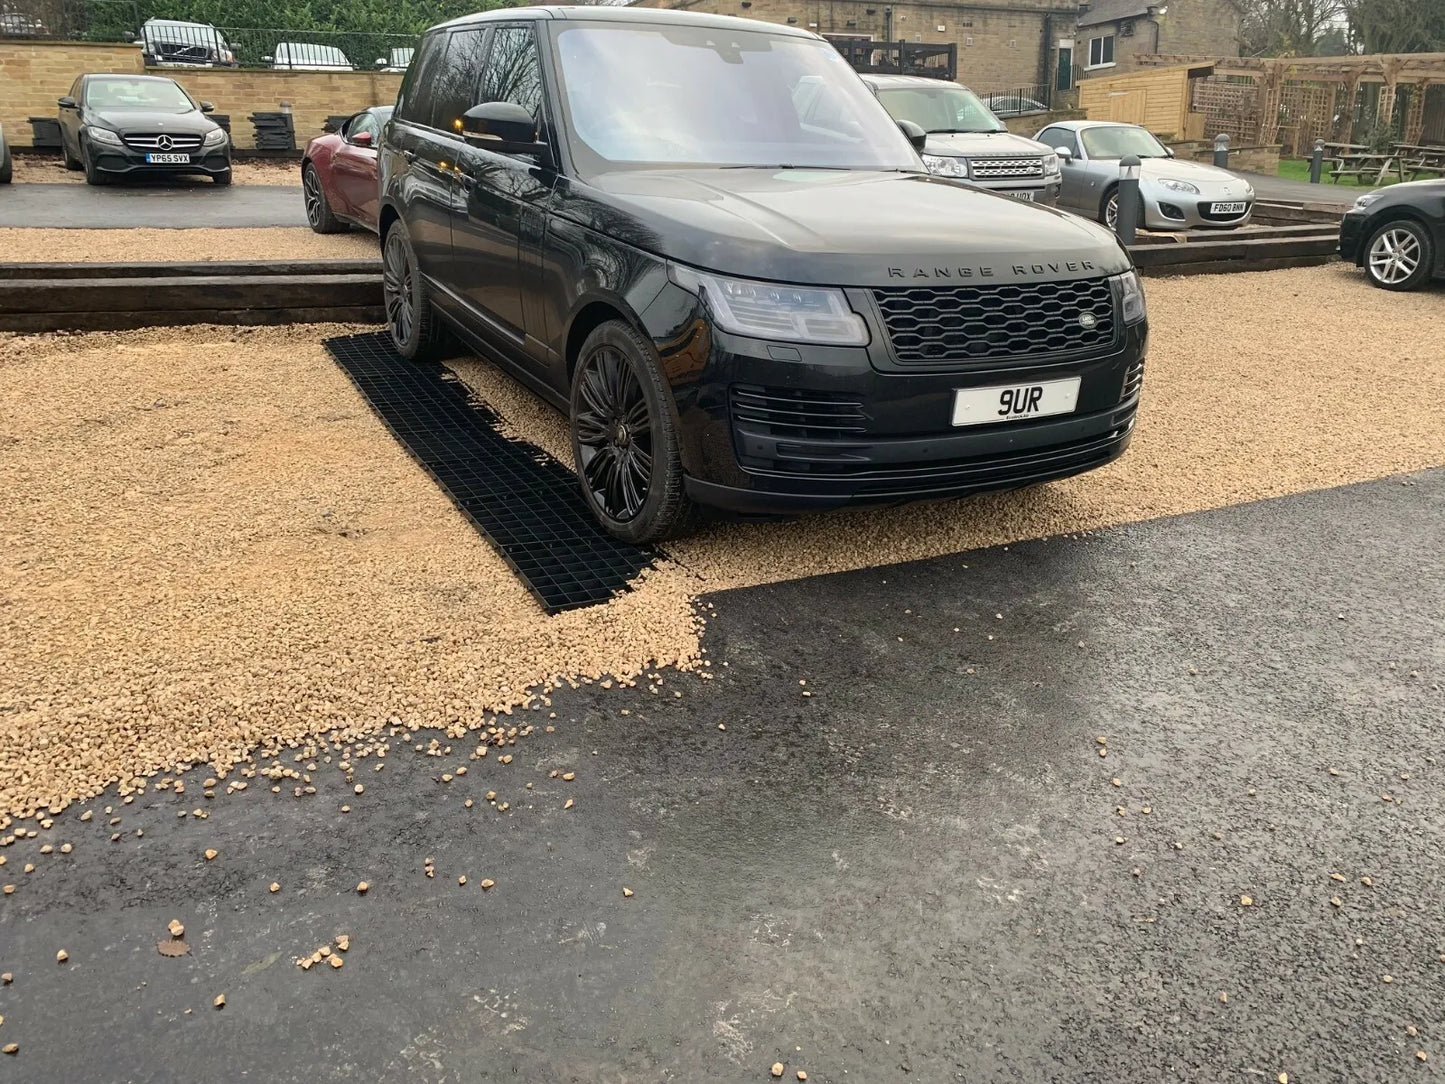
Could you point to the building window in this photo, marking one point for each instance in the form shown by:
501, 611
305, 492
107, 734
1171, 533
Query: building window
1101, 51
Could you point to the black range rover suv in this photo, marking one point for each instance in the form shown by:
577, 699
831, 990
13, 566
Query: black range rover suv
705, 240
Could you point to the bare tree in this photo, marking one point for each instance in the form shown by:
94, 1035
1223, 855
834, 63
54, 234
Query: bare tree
1290, 27
1397, 26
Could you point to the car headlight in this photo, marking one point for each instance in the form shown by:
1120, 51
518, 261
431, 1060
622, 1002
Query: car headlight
1051, 165
1365, 200
103, 135
1131, 296
1179, 186
946, 166
768, 310
214, 138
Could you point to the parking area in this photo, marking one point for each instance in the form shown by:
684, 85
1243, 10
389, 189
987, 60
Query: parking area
1136, 770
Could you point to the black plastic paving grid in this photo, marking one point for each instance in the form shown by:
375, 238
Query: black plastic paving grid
524, 502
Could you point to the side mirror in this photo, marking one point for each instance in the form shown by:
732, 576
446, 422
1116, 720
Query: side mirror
268, 59
1065, 155
361, 139
207, 107
67, 102
504, 127
916, 135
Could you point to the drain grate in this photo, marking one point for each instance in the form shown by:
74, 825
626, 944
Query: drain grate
524, 502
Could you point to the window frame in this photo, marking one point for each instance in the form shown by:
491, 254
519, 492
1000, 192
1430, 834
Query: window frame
1111, 39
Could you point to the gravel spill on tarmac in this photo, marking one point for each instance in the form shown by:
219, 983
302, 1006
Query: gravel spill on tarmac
21, 244
207, 541
30, 169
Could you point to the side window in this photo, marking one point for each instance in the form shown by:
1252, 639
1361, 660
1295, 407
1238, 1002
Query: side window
414, 100
455, 81
513, 72
1060, 137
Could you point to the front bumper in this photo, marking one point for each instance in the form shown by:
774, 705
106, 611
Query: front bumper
1352, 237
1178, 211
771, 429
125, 160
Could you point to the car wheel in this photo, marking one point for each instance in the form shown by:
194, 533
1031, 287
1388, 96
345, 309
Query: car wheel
1399, 255
72, 163
7, 165
93, 175
222, 178
624, 442
1109, 210
318, 209
415, 330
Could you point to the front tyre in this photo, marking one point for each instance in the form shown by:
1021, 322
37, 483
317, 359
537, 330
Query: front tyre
93, 173
624, 442
415, 331
222, 178
1399, 255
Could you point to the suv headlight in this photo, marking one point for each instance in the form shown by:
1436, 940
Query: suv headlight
1051, 166
216, 137
1179, 186
945, 165
767, 310
1365, 200
1131, 296
103, 135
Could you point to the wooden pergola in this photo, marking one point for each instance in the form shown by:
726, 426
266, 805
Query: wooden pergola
1345, 73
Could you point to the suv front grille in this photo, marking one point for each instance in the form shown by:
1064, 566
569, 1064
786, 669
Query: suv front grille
153, 142
990, 169
947, 325
807, 415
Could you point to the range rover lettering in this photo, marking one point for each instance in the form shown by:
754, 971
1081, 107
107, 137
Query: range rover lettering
706, 241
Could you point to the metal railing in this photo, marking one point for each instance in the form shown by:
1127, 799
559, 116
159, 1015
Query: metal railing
1006, 102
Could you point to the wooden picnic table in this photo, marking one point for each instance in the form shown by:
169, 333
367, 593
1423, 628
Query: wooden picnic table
1353, 160
1417, 159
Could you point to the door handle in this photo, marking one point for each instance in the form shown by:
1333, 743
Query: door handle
466, 180
410, 156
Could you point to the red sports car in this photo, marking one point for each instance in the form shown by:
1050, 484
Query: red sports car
338, 173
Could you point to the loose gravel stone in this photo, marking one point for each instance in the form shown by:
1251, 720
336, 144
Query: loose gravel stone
289, 486
27, 245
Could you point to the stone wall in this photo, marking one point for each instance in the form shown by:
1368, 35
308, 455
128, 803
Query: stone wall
34, 74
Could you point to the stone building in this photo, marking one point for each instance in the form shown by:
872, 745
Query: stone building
1003, 45
1112, 34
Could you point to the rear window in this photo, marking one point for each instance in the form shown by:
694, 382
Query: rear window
414, 99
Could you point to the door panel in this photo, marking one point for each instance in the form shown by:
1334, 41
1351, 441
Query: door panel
354, 172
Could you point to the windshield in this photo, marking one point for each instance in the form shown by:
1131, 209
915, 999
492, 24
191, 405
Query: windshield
706, 96
947, 107
160, 95
1110, 143
303, 53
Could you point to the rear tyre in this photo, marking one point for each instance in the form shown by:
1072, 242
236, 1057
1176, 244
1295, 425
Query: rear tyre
72, 163
318, 208
1400, 255
93, 175
415, 330
624, 442
222, 178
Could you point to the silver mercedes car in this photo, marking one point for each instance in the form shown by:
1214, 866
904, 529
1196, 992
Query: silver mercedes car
1177, 195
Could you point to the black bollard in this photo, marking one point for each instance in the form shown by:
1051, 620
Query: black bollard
1317, 162
1126, 220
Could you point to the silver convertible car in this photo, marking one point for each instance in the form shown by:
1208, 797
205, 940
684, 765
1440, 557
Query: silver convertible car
1177, 195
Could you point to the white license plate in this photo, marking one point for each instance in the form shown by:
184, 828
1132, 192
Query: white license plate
1227, 208
169, 159
1015, 402
1027, 197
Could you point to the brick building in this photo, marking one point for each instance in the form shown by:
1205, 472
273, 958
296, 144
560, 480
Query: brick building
1002, 44
1112, 34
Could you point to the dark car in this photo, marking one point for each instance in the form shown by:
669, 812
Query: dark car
737, 309
1397, 234
118, 125
338, 173
7, 165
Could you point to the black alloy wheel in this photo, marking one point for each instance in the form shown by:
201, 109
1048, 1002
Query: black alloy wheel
318, 210
415, 331
623, 439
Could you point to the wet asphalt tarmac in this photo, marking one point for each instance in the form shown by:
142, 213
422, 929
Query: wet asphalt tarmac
918, 873
152, 203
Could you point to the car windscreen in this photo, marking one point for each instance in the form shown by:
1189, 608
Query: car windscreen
667, 95
947, 107
306, 53
160, 95
1111, 143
